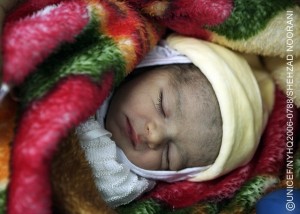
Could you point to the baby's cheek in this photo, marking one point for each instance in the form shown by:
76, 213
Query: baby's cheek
150, 160
176, 158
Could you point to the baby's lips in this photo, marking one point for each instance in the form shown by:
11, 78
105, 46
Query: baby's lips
132, 134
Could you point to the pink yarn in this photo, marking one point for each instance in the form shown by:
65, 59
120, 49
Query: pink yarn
29, 41
50, 119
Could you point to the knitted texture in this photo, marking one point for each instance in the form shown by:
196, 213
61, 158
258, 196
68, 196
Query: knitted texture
64, 57
117, 184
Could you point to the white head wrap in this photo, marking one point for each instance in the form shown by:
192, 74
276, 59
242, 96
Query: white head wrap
162, 54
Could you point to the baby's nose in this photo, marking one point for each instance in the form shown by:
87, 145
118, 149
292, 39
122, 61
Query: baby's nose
156, 135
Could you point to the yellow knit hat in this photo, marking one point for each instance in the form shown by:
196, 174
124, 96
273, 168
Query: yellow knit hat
239, 97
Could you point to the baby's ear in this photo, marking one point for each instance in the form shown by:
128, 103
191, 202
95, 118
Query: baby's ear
72, 181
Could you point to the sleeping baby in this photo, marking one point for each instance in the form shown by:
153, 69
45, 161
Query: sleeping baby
191, 110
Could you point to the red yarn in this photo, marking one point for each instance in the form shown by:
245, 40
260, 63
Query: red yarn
184, 193
269, 159
191, 17
34, 38
124, 22
42, 126
29, 7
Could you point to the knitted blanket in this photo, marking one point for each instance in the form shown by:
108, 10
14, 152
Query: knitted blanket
63, 57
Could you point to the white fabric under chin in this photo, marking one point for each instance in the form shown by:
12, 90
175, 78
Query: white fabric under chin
161, 175
114, 180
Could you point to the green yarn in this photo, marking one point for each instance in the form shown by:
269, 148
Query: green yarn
141, 207
92, 54
249, 193
187, 210
150, 207
2, 201
297, 165
208, 208
249, 17
179, 211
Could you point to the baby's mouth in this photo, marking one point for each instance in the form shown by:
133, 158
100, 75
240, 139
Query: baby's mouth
132, 134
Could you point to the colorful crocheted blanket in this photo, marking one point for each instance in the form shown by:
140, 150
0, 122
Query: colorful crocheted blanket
63, 57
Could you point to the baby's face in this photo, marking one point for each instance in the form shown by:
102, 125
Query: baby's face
155, 123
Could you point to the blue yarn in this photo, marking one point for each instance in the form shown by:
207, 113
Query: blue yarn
280, 202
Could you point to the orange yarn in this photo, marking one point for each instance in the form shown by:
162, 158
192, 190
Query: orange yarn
7, 124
